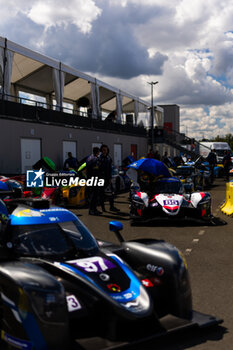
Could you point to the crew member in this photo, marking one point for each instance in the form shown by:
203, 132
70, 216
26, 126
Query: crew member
93, 164
106, 174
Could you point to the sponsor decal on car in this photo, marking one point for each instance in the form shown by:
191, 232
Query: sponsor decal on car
28, 213
104, 276
93, 264
170, 202
147, 283
156, 281
154, 268
114, 288
72, 303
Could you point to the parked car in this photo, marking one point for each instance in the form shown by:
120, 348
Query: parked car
166, 199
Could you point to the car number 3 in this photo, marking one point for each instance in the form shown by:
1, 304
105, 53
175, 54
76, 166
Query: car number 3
73, 303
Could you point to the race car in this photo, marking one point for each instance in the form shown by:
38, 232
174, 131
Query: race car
10, 187
166, 198
187, 176
60, 287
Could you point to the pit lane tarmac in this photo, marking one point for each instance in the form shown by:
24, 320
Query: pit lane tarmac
208, 251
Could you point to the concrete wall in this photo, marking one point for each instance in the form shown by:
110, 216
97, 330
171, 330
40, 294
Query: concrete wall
52, 137
172, 115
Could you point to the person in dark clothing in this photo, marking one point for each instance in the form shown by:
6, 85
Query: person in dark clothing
71, 162
212, 159
106, 174
157, 155
92, 166
151, 154
226, 164
111, 116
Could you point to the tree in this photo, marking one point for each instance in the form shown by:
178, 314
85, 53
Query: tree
227, 138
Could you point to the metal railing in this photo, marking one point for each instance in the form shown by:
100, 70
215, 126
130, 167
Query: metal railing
41, 112
177, 140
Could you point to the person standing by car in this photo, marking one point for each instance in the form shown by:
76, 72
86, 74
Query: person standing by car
212, 159
226, 164
106, 174
93, 170
71, 162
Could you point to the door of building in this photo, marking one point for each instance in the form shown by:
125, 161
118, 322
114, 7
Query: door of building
69, 146
134, 151
117, 154
30, 153
96, 144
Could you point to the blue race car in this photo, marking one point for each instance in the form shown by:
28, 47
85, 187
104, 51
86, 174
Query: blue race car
59, 286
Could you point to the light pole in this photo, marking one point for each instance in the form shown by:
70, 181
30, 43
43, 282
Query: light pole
152, 83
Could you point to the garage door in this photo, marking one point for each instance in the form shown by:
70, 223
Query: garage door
69, 146
30, 153
117, 155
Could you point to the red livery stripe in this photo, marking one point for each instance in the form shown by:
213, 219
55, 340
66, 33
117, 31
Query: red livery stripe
171, 208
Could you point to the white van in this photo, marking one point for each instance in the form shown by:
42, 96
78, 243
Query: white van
220, 147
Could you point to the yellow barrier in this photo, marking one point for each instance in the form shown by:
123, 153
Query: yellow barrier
227, 207
227, 195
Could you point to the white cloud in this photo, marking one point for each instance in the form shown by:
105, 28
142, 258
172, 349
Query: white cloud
187, 47
199, 123
49, 13
81, 13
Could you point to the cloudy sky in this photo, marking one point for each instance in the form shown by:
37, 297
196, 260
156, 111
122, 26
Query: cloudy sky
185, 45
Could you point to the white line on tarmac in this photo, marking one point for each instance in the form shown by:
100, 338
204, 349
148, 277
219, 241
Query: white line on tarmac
188, 251
201, 233
195, 240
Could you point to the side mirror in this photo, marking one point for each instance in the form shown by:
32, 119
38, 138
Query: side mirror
116, 227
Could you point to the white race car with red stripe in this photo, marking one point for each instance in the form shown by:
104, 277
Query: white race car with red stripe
166, 198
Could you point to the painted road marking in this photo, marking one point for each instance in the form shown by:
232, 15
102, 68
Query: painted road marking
201, 232
195, 240
188, 251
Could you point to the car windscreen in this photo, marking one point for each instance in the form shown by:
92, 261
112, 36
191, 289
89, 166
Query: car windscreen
168, 187
52, 240
220, 152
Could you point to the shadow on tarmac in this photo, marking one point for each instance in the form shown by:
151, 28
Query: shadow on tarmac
214, 221
185, 339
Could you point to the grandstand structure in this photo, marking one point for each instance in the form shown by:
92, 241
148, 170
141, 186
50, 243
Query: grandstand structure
48, 109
